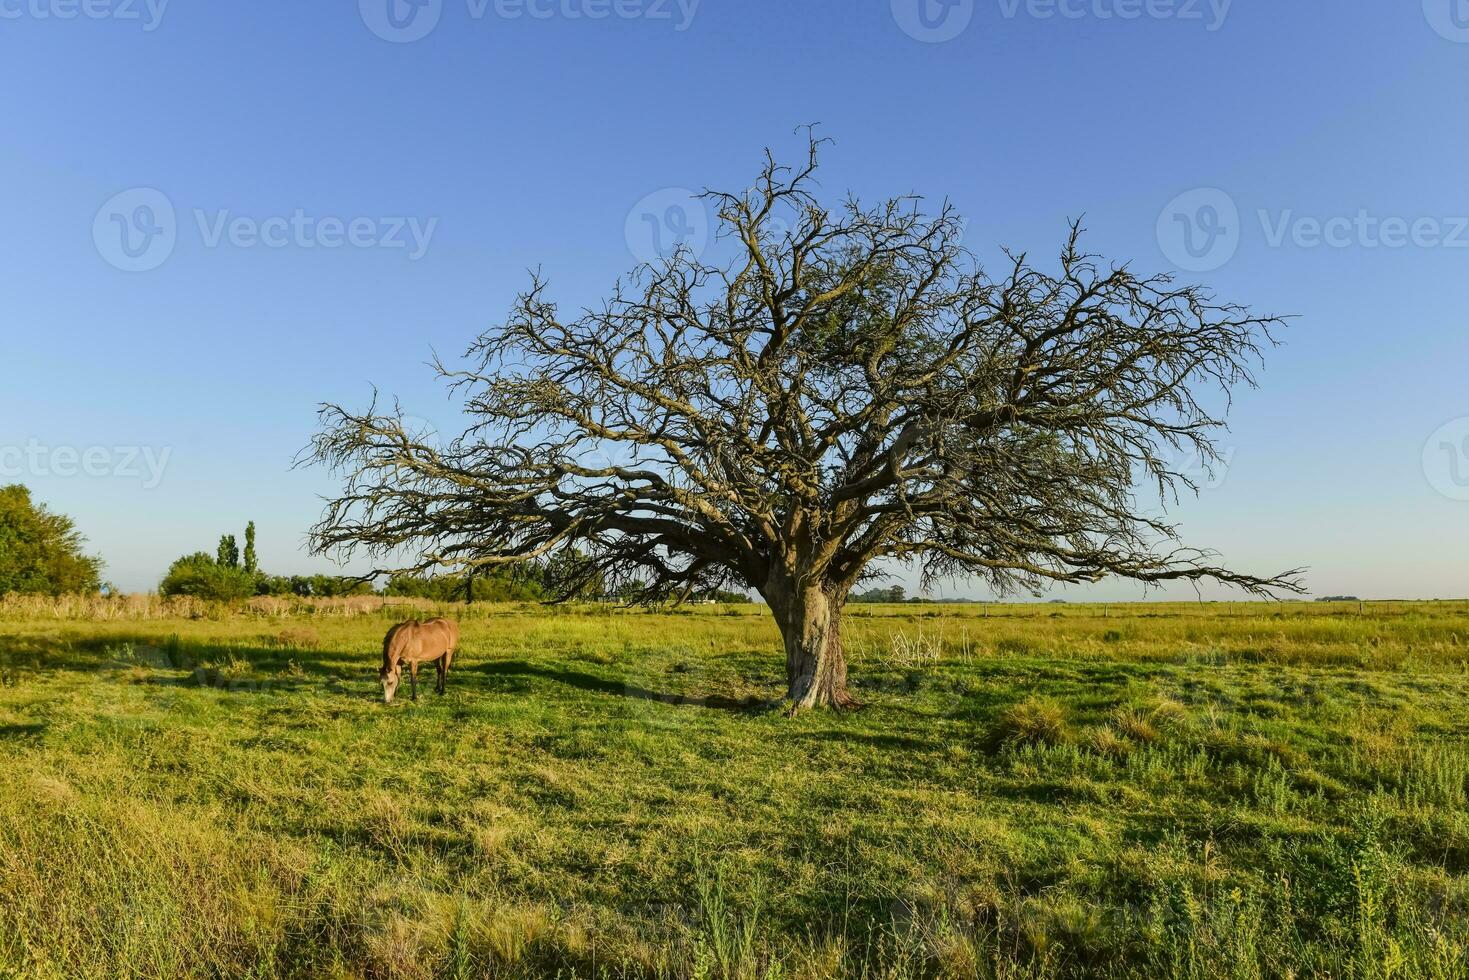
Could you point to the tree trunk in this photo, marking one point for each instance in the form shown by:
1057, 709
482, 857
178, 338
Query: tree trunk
816, 668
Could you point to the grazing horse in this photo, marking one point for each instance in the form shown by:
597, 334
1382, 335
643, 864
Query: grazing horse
413, 643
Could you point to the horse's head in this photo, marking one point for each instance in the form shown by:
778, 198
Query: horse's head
389, 676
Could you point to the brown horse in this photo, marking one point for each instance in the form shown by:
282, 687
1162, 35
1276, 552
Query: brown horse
413, 643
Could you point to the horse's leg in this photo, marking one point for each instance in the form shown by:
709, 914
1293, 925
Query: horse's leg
441, 667
413, 678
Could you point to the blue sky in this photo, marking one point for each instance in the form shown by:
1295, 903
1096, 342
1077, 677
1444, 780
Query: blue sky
297, 149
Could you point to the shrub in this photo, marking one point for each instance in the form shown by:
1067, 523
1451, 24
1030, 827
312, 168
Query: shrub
200, 576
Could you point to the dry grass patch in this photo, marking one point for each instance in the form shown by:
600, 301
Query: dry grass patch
1135, 724
298, 638
1037, 721
1106, 741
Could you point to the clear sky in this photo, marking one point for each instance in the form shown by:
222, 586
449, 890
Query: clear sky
217, 215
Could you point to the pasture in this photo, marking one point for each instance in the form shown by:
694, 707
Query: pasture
1159, 790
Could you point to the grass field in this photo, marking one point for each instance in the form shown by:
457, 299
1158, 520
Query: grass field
1239, 790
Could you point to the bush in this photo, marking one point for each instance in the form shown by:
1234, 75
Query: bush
200, 576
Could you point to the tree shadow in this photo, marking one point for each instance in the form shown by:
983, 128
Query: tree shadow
520, 669
216, 680
256, 666
278, 668
881, 740
150, 651
21, 731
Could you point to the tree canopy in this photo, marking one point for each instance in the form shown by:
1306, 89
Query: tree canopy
41, 552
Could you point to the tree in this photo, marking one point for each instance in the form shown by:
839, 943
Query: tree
252, 561
41, 552
228, 554
851, 390
202, 576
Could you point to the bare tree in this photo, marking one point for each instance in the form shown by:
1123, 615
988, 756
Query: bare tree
850, 392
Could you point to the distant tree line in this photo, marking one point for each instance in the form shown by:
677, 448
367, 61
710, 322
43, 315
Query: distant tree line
725, 596
896, 593
490, 587
893, 593
231, 574
43, 553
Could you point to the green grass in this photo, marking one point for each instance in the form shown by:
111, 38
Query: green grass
1166, 790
